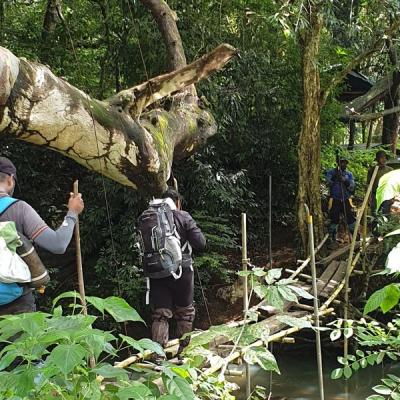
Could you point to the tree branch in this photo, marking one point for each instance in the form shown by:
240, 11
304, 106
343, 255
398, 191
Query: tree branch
136, 99
38, 107
373, 116
339, 77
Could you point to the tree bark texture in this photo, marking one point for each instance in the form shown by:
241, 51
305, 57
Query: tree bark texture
309, 146
51, 19
166, 20
352, 134
390, 128
117, 137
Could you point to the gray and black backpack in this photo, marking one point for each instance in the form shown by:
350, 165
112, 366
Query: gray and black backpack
159, 242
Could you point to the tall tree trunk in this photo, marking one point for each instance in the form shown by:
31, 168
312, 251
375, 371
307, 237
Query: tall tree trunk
309, 146
105, 60
390, 128
2, 18
166, 20
51, 19
352, 134
364, 131
370, 132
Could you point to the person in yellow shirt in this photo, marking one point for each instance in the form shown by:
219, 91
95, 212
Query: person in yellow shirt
381, 159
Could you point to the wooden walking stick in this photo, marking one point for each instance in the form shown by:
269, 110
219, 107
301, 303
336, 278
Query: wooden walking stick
81, 282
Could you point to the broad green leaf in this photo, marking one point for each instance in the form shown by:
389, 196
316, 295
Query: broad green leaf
143, 344
243, 273
394, 378
108, 371
67, 356
179, 387
301, 292
389, 382
96, 302
287, 294
382, 389
395, 232
335, 334
263, 357
274, 298
33, 323
120, 310
348, 332
395, 396
136, 390
273, 275
392, 296
375, 397
386, 298
347, 372
337, 373
148, 344
259, 272
67, 295
293, 321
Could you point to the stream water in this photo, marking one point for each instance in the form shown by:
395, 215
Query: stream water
299, 379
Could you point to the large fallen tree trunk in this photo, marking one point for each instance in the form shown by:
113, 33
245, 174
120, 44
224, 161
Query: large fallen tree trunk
121, 137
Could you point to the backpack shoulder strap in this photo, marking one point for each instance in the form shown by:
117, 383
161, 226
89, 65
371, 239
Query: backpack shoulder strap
5, 203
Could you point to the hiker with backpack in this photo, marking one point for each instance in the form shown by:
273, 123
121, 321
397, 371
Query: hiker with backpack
168, 236
30, 224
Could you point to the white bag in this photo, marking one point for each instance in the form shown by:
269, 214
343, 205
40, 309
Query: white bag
393, 259
12, 268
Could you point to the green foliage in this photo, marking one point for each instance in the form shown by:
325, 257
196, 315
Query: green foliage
389, 389
46, 356
273, 290
385, 299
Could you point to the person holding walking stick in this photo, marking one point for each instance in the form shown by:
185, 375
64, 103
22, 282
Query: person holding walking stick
341, 186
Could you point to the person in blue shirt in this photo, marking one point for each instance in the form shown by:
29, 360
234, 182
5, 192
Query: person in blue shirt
341, 186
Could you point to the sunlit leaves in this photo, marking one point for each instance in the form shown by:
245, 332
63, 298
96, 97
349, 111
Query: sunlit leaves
263, 357
385, 298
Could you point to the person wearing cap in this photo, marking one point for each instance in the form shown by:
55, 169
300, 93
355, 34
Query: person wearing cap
341, 186
380, 159
29, 223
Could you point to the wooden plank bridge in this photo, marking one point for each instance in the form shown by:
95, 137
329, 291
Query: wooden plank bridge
330, 284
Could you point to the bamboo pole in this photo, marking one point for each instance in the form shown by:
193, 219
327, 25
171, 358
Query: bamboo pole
350, 259
270, 220
307, 261
315, 301
81, 282
245, 292
364, 239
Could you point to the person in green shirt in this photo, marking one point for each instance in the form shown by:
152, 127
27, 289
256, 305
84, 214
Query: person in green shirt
381, 159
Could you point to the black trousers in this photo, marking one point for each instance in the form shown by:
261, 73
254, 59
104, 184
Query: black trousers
339, 208
24, 304
169, 292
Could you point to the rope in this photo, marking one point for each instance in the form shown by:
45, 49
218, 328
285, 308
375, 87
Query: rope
107, 204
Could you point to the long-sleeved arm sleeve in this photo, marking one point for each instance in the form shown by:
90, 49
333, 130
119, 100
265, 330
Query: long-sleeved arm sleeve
351, 185
57, 241
194, 235
329, 177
